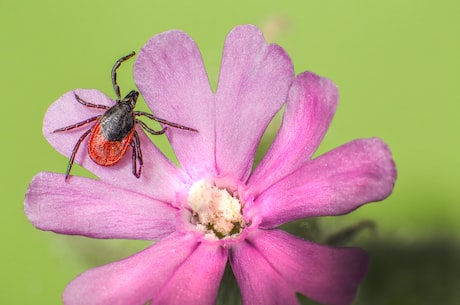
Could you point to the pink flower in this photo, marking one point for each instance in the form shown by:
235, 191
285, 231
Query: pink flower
214, 208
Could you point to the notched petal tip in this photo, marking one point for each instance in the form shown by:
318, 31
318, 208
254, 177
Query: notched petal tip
246, 30
170, 74
335, 183
133, 280
31, 209
95, 209
253, 84
311, 104
326, 274
271, 266
66, 112
385, 165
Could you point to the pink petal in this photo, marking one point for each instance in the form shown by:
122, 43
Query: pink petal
335, 183
259, 282
253, 85
134, 280
94, 208
325, 274
197, 280
309, 110
159, 175
170, 75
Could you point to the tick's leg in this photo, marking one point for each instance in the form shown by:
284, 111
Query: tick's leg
91, 105
114, 73
137, 154
74, 151
150, 130
163, 121
76, 125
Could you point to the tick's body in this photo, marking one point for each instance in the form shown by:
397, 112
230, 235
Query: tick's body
111, 136
114, 131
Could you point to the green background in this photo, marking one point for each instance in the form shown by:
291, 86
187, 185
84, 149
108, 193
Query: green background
396, 64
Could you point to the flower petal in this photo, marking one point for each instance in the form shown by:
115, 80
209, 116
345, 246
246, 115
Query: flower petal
170, 75
134, 280
309, 110
159, 175
253, 84
325, 274
335, 183
197, 280
259, 282
93, 208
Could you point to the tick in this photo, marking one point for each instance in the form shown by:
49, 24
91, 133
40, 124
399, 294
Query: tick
114, 130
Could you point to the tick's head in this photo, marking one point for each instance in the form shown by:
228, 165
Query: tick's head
131, 99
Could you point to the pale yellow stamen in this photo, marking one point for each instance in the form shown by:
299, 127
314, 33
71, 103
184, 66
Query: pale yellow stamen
216, 212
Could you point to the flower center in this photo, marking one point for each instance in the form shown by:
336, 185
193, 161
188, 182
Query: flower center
216, 212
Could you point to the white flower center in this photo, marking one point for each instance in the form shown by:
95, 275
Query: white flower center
216, 212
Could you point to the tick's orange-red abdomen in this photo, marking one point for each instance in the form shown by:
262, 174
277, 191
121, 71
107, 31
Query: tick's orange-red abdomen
105, 152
